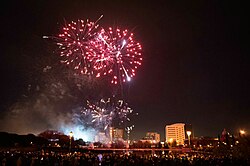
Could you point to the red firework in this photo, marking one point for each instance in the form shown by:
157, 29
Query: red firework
116, 54
74, 44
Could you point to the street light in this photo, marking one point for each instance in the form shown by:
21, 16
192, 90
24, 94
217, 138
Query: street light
189, 134
171, 140
70, 140
242, 132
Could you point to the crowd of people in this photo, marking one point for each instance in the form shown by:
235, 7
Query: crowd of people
115, 159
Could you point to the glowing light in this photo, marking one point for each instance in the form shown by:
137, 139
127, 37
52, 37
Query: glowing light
242, 132
189, 133
70, 134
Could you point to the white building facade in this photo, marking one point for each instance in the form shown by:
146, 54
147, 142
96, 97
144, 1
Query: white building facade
175, 133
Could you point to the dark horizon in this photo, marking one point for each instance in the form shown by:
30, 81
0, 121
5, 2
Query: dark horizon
195, 65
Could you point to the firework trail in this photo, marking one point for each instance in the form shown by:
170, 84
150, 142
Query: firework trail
116, 54
74, 44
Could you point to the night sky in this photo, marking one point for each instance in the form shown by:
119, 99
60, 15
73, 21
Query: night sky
195, 57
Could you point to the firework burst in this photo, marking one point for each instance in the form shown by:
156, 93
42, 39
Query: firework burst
116, 54
74, 44
89, 49
106, 113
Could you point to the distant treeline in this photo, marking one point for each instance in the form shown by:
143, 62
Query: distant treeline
15, 140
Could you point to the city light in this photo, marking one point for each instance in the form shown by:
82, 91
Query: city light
70, 140
70, 134
242, 132
189, 134
171, 140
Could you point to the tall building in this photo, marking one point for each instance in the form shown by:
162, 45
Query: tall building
116, 133
175, 133
154, 136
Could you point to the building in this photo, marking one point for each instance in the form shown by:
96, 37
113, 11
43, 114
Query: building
101, 137
153, 136
116, 133
52, 135
55, 138
176, 133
